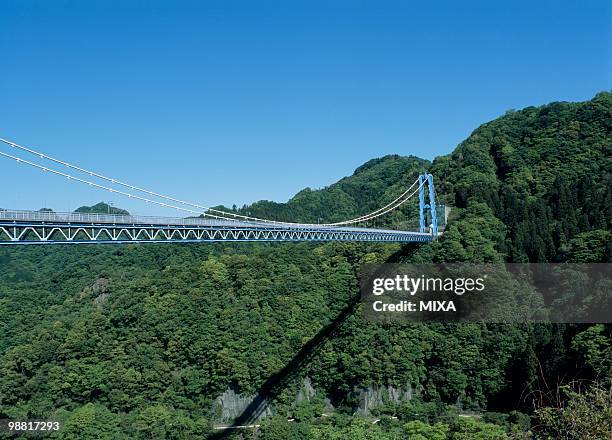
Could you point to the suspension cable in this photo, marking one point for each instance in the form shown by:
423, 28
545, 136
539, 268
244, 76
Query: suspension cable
109, 179
398, 205
371, 214
223, 214
144, 199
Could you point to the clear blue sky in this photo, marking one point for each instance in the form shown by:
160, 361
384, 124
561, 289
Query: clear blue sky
235, 101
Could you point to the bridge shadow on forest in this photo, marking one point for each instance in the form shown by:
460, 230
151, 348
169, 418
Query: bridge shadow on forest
276, 383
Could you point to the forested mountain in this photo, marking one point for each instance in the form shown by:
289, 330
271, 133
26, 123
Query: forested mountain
139, 341
545, 172
102, 208
372, 185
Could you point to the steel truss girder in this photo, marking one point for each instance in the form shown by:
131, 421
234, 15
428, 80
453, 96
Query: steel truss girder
43, 233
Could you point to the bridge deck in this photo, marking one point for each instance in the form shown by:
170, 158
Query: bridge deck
45, 227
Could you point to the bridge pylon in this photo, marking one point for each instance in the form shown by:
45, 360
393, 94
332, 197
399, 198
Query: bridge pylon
431, 206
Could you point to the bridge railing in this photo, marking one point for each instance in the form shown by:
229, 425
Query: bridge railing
78, 217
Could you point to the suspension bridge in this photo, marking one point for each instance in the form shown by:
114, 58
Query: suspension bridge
202, 224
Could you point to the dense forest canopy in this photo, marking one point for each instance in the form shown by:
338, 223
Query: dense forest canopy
138, 341
372, 185
544, 172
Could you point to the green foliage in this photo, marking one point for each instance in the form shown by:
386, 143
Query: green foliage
161, 339
417, 410
594, 348
590, 247
545, 172
309, 410
471, 429
475, 236
162, 422
586, 415
340, 427
91, 421
422, 431
514, 421
279, 428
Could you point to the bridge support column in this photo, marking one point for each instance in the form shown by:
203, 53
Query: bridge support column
422, 202
432, 206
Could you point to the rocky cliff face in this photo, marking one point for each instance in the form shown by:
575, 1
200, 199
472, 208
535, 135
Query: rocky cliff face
306, 392
377, 396
230, 405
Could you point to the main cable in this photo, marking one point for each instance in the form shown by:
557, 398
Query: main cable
370, 216
224, 214
398, 205
70, 177
108, 179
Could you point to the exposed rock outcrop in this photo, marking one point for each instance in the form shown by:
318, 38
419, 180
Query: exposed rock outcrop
306, 392
376, 396
229, 405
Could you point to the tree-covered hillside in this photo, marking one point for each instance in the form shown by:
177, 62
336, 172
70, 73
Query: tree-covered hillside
140, 341
102, 208
372, 185
545, 172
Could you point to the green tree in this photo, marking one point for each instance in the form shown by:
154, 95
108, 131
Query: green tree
92, 421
